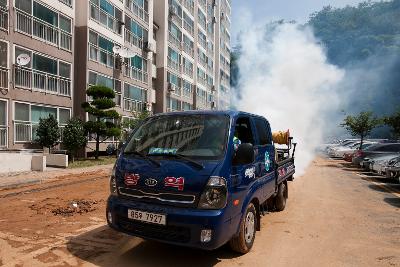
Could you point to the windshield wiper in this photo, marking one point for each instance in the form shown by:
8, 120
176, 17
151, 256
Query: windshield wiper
155, 162
180, 156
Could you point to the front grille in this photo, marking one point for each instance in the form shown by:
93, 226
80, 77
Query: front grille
162, 197
160, 232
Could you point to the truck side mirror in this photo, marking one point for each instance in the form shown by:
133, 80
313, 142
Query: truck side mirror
244, 154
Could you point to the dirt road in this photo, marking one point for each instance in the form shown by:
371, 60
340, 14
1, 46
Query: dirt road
334, 217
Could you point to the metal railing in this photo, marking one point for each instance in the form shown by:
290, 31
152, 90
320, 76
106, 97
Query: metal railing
3, 136
203, 43
187, 93
177, 92
176, 19
188, 27
3, 78
201, 100
22, 131
133, 39
202, 80
188, 49
3, 18
188, 71
66, 2
109, 56
203, 4
133, 105
38, 80
174, 40
189, 6
174, 65
136, 74
137, 10
33, 26
104, 18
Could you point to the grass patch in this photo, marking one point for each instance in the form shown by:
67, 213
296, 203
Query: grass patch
81, 163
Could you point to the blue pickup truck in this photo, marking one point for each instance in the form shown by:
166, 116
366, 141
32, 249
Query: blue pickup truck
199, 179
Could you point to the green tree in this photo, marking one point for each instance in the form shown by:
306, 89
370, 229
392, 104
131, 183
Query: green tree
74, 136
101, 108
361, 125
48, 132
394, 122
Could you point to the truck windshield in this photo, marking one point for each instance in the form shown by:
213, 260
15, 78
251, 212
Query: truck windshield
194, 136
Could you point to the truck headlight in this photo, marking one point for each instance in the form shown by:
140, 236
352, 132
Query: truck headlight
215, 194
113, 182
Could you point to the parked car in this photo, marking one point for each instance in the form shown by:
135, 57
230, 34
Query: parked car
340, 151
393, 171
379, 164
333, 150
368, 161
375, 150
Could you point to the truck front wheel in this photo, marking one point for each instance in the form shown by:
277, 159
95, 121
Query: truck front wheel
244, 241
280, 198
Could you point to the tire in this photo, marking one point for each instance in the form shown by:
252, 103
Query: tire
244, 241
280, 198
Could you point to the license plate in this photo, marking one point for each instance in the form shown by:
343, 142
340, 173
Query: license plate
147, 217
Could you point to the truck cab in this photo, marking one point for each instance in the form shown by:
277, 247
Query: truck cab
198, 179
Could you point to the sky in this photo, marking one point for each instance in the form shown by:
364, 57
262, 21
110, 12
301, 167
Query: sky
268, 10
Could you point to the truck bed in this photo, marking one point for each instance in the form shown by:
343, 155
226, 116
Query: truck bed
285, 169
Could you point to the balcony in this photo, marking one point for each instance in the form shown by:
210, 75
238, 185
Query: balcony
201, 100
188, 49
136, 74
44, 31
188, 71
66, 2
3, 18
187, 94
26, 78
189, 5
4, 78
203, 4
133, 39
174, 65
3, 136
174, 40
177, 92
137, 10
202, 80
23, 131
188, 27
134, 105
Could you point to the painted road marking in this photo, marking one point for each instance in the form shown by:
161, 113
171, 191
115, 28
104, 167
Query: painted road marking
386, 188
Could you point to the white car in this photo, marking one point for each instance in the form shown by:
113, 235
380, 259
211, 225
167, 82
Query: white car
340, 151
379, 164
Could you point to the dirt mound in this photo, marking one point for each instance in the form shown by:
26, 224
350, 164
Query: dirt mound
65, 208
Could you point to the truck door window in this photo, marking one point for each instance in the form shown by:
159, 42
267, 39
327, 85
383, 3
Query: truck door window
243, 130
263, 132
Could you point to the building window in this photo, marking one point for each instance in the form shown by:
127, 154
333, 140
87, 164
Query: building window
107, 14
173, 59
101, 49
136, 68
27, 117
43, 73
202, 39
99, 79
187, 89
3, 124
35, 19
202, 19
135, 98
4, 72
173, 104
139, 8
135, 34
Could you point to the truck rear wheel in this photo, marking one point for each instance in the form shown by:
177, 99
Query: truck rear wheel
280, 198
244, 241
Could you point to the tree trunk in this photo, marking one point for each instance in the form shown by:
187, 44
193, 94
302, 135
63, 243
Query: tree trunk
362, 141
96, 153
49, 150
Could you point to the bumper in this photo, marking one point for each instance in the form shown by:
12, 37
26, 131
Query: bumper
183, 225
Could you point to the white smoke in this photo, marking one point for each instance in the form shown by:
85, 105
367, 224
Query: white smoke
285, 76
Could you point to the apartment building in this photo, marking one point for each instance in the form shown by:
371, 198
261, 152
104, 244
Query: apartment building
41, 32
192, 57
178, 59
102, 25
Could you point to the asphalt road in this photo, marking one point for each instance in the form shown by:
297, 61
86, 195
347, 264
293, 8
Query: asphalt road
335, 216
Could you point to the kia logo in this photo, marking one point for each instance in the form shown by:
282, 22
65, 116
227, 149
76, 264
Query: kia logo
150, 182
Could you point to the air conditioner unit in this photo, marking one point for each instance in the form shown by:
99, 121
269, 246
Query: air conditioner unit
173, 10
171, 87
148, 47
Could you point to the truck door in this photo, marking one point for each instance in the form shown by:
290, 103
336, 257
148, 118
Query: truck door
246, 175
265, 156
